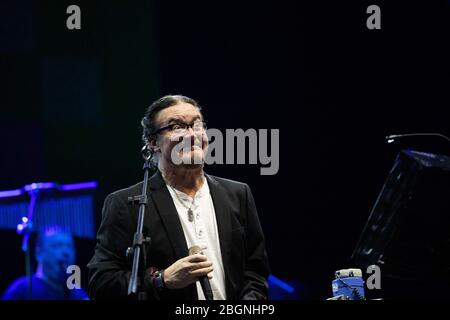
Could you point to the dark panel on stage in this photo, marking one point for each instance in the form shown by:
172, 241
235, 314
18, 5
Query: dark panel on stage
408, 231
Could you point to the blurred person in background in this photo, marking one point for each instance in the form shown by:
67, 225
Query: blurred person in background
54, 252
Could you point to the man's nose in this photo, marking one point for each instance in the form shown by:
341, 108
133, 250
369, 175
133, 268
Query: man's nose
66, 254
191, 133
191, 130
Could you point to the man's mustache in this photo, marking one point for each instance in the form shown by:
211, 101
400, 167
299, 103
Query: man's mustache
189, 141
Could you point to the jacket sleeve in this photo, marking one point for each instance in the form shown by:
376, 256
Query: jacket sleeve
257, 265
109, 269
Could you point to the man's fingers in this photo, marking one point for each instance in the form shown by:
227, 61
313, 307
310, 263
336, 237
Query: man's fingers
196, 258
201, 272
200, 265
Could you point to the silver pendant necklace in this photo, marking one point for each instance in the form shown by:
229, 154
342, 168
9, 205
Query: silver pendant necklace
189, 210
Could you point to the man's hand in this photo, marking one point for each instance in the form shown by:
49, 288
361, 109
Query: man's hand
187, 270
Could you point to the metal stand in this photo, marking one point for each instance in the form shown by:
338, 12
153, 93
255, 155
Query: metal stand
140, 242
25, 228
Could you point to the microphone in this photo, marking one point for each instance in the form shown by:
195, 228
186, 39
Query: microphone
393, 137
204, 281
62, 272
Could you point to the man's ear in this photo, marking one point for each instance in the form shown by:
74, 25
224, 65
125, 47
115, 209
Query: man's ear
153, 144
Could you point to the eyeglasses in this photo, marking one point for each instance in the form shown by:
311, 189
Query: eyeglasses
182, 127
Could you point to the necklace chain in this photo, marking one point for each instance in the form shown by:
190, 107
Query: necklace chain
190, 213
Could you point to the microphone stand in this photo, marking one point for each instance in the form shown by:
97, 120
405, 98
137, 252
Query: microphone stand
25, 228
140, 242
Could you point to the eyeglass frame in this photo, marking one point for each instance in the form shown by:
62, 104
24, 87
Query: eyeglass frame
188, 125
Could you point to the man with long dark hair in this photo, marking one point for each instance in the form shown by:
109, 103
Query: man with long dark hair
186, 208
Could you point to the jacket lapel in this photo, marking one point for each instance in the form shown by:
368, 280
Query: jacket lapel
163, 202
223, 219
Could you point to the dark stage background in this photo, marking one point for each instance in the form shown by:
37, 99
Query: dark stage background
71, 102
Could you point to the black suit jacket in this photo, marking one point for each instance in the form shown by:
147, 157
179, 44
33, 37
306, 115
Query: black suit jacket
241, 240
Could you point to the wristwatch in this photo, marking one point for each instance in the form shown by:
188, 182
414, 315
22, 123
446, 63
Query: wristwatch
158, 280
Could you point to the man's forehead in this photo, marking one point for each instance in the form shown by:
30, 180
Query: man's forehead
181, 111
57, 237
